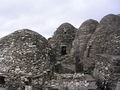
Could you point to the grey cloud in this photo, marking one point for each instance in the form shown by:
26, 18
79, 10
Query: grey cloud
44, 16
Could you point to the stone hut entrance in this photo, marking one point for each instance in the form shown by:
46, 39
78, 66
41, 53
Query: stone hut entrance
2, 80
63, 50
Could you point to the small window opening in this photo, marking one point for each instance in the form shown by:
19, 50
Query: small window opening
88, 53
2, 80
34, 43
63, 50
64, 30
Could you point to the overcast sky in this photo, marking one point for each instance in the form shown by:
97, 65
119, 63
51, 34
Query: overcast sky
44, 16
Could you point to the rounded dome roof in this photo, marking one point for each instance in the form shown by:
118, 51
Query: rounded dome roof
24, 51
106, 39
64, 34
103, 46
65, 27
82, 38
88, 27
110, 19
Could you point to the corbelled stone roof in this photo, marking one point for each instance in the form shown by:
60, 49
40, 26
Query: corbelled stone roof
87, 27
106, 37
81, 40
65, 27
105, 43
63, 36
24, 52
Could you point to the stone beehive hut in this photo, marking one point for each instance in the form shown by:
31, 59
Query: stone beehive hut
62, 39
104, 50
81, 40
61, 42
105, 40
23, 53
27, 59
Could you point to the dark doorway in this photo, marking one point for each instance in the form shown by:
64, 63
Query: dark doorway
63, 50
27, 81
2, 80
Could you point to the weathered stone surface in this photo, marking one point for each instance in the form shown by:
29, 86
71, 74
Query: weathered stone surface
76, 81
81, 40
106, 37
103, 46
63, 36
24, 53
26, 58
61, 42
